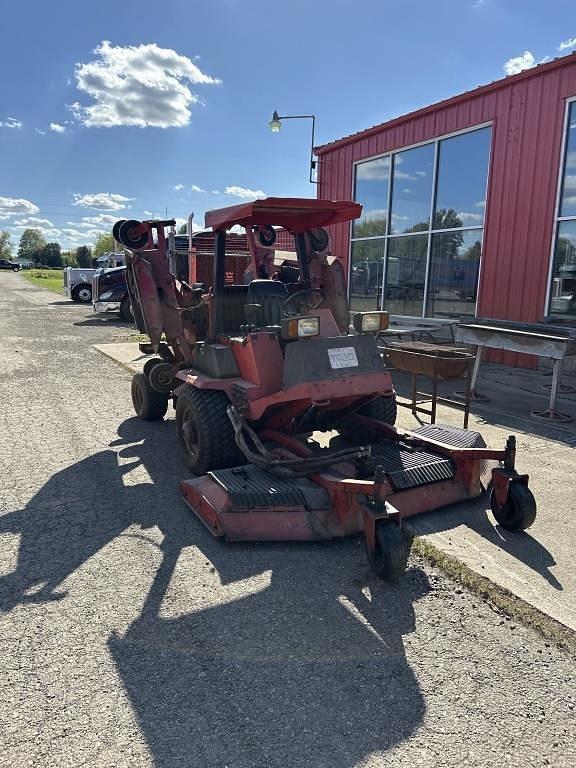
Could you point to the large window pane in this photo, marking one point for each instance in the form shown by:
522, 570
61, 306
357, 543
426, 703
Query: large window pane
568, 198
405, 275
371, 190
563, 298
461, 180
366, 273
412, 189
454, 268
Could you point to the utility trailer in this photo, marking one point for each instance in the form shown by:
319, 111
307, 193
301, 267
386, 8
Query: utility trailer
253, 370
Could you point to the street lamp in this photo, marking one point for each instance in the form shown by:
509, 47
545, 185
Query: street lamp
276, 123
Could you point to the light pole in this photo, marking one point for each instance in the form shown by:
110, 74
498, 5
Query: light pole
276, 123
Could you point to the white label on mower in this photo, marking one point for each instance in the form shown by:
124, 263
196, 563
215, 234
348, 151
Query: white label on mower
343, 357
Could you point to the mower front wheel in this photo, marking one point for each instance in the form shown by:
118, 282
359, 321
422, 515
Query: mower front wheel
205, 432
519, 511
149, 404
390, 555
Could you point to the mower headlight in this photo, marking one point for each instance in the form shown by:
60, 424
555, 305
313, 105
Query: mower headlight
300, 327
105, 296
370, 322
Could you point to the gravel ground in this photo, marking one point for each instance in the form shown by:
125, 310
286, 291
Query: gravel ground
130, 637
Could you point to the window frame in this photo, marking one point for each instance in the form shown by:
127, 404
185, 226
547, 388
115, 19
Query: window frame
557, 218
430, 231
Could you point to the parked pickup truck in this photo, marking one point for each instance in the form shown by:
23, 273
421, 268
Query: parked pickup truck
110, 292
7, 264
78, 281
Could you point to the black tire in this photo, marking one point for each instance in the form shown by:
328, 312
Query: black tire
149, 364
116, 229
161, 378
130, 239
126, 310
205, 433
148, 404
390, 557
267, 235
15, 269
82, 293
382, 409
519, 512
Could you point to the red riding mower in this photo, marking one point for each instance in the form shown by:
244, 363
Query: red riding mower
253, 370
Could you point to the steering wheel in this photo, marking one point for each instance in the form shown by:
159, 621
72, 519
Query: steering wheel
289, 311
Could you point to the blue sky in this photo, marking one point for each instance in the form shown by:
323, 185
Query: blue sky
172, 112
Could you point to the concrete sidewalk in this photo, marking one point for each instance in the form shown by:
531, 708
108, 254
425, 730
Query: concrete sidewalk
538, 565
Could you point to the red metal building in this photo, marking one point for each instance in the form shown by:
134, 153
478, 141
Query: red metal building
469, 204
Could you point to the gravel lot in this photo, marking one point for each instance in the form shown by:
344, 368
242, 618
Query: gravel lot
129, 637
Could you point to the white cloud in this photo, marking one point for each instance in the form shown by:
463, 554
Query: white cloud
57, 128
149, 213
421, 173
102, 201
478, 4
519, 63
41, 132
11, 122
375, 170
215, 191
196, 188
142, 85
17, 206
46, 231
103, 219
480, 204
34, 221
471, 218
178, 187
244, 193
567, 44
85, 235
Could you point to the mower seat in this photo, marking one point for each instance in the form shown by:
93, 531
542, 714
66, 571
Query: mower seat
270, 295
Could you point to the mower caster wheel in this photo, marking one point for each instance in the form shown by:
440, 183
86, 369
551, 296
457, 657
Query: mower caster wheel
149, 404
390, 556
519, 511
161, 377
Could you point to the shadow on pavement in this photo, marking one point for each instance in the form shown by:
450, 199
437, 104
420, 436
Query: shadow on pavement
308, 670
474, 514
104, 320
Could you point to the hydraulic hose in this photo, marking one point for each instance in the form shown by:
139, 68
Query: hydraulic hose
260, 456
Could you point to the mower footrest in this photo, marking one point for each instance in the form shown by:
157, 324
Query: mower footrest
408, 468
249, 488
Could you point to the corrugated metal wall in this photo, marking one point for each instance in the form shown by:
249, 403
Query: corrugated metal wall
527, 115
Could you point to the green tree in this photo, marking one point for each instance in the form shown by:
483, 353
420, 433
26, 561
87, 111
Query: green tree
69, 258
51, 255
183, 229
104, 244
84, 256
5, 245
31, 244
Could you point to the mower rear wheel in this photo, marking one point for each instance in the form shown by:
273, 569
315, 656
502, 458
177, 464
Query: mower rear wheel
519, 511
390, 556
149, 404
205, 432
383, 409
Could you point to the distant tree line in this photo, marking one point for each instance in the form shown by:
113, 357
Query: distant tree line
34, 247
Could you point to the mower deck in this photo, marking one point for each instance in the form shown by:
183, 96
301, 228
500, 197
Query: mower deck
248, 503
